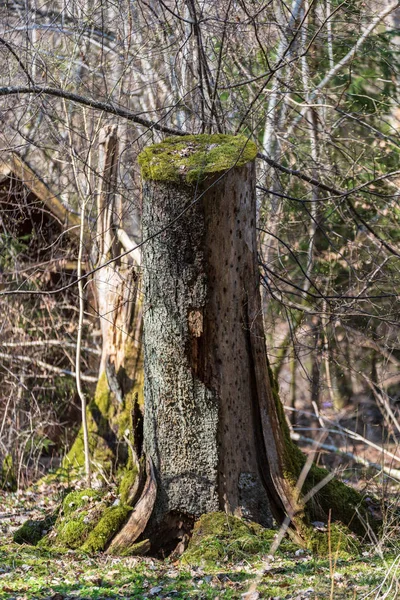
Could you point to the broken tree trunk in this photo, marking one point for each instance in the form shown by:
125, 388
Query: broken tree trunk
214, 426
114, 411
211, 424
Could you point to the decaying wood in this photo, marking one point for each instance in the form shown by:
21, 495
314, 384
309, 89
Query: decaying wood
116, 284
390, 471
206, 378
43, 365
139, 517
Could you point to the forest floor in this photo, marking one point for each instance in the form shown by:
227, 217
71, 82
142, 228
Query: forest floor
28, 573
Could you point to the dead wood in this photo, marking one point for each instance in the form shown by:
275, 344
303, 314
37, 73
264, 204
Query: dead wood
139, 518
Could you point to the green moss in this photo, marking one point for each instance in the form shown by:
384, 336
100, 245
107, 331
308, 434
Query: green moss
111, 521
339, 541
102, 397
86, 522
31, 532
127, 481
138, 549
8, 480
217, 536
73, 533
108, 424
80, 512
133, 365
343, 502
76, 500
99, 414
193, 157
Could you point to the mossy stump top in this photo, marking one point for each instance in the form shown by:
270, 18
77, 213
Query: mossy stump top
192, 158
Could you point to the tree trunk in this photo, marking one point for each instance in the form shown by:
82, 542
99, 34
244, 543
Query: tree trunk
214, 426
114, 409
211, 424
215, 434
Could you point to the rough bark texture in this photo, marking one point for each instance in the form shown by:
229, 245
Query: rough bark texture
214, 424
211, 425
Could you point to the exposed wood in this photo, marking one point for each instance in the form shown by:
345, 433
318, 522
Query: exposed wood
5, 172
139, 517
390, 471
17, 167
116, 284
135, 491
64, 343
128, 244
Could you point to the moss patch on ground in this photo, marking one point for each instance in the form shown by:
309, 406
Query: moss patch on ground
35, 573
194, 157
87, 520
79, 514
337, 540
218, 535
32, 531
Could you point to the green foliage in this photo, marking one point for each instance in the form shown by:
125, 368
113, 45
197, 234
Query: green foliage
370, 85
193, 157
10, 248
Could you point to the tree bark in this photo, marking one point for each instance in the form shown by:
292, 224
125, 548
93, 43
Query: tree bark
215, 434
214, 426
211, 423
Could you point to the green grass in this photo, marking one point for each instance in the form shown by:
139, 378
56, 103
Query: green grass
32, 573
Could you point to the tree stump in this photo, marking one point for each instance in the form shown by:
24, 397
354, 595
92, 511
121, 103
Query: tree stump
205, 362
